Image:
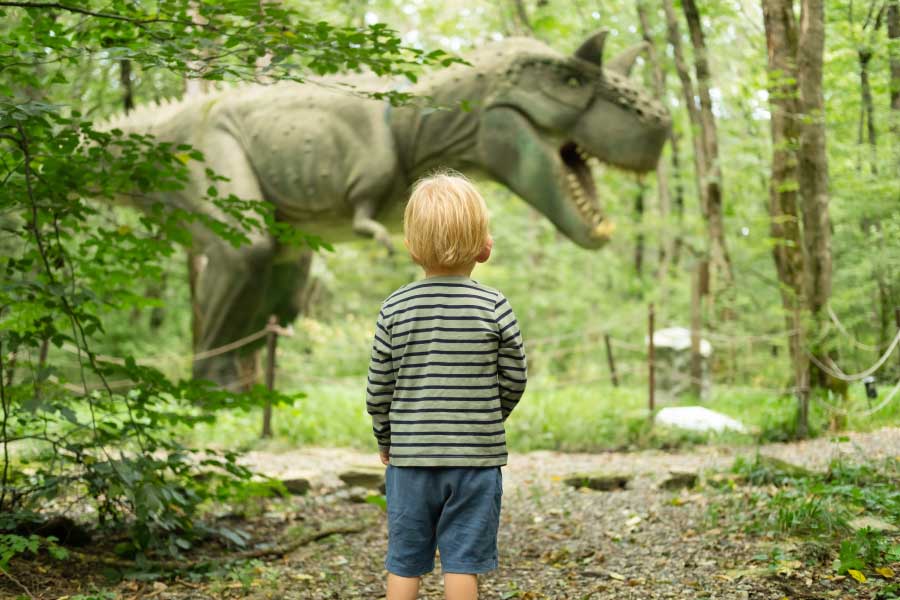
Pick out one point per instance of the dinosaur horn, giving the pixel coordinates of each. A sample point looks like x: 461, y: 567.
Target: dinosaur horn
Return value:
x: 625, y: 61
x: 592, y: 48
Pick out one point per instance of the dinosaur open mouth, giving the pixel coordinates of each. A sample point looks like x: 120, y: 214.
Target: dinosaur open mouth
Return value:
x: 582, y: 188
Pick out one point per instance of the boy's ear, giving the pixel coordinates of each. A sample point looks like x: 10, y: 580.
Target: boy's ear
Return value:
x: 486, y: 253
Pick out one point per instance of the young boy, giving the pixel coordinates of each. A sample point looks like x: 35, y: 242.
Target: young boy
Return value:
x: 447, y: 368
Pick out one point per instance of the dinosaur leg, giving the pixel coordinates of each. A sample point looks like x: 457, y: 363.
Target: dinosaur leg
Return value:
x: 230, y: 288
x: 286, y: 295
x: 364, y: 223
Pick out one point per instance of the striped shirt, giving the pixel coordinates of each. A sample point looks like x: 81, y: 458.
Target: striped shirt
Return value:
x: 447, y: 369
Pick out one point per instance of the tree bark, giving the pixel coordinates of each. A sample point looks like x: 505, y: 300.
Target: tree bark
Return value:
x: 687, y: 88
x: 523, y: 24
x: 798, y: 189
x: 813, y: 163
x: 867, y: 108
x: 893, y: 27
x: 127, y: 86
x: 639, y: 237
x: 781, y: 43
x: 712, y: 183
x: 666, y: 243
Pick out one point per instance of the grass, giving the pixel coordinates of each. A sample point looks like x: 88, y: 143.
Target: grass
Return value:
x: 786, y: 503
x: 572, y: 418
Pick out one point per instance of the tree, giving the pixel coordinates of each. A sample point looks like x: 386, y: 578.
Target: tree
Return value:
x: 800, y: 222
x: 66, y: 266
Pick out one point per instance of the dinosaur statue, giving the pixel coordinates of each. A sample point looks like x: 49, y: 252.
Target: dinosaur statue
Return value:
x: 336, y: 164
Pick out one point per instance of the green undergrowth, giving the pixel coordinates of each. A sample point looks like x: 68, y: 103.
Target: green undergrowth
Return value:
x: 846, y: 517
x: 551, y: 416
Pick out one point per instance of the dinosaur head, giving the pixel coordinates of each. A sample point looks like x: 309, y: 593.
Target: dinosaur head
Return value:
x: 548, y: 117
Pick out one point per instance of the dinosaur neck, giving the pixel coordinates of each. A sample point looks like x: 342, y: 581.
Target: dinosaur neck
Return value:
x: 438, y: 137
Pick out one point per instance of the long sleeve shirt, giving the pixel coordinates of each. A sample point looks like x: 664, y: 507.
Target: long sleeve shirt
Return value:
x: 447, y: 369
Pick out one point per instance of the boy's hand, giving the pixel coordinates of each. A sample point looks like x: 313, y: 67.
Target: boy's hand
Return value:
x: 385, y: 456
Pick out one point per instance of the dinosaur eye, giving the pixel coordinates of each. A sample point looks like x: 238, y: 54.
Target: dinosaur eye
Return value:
x: 573, y: 82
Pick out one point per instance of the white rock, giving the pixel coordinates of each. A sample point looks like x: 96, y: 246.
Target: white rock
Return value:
x: 697, y: 418
x: 678, y: 338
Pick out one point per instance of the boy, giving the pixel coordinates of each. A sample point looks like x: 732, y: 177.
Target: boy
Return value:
x: 447, y: 368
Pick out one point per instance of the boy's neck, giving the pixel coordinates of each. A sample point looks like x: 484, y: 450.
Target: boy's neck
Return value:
x: 465, y: 271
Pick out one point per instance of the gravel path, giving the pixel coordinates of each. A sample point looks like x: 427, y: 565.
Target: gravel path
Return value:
x: 556, y: 542
x: 561, y: 543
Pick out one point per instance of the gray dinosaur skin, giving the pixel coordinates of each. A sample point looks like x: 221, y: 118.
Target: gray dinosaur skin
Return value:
x: 338, y: 165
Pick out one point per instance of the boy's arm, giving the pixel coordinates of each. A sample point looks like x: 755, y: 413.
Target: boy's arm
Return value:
x: 511, y: 368
x: 380, y: 385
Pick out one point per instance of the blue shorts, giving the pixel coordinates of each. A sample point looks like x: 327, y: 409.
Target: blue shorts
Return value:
x: 454, y: 509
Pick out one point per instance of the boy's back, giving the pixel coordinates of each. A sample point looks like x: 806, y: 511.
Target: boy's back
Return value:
x: 447, y: 368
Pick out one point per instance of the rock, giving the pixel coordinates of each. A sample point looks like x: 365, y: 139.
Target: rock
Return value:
x: 600, y: 482
x: 678, y: 480
x: 367, y: 477
x: 697, y: 418
x: 358, y: 495
x: 872, y: 523
x: 297, y: 486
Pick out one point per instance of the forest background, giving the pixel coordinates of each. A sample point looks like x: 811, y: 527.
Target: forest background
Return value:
x: 109, y: 282
x: 573, y: 297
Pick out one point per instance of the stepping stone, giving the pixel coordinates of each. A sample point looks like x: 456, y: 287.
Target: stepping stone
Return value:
x: 679, y: 480
x: 601, y: 482
x: 371, y: 478
x: 297, y: 486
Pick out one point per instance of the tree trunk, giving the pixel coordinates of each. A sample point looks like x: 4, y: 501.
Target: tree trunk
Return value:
x: 666, y: 244
x: 813, y: 163
x: 781, y: 43
x: 127, y: 86
x: 679, y: 195
x: 867, y: 108
x: 893, y: 27
x: 712, y: 182
x: 523, y: 24
x: 799, y: 186
x: 687, y: 88
x: 639, y: 237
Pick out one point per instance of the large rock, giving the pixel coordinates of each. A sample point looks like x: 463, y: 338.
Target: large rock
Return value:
x: 297, y: 486
x: 371, y: 478
x: 679, y: 480
x: 602, y: 482
x: 697, y: 418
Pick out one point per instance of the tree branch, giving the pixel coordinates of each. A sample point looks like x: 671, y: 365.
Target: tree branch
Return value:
x: 91, y: 13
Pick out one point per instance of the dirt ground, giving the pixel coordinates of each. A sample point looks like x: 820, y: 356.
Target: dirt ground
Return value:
x: 556, y: 542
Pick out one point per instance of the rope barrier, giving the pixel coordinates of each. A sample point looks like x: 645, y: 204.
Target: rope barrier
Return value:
x: 848, y: 335
x: 124, y: 383
x: 885, y: 402
x: 838, y: 374
x: 156, y: 360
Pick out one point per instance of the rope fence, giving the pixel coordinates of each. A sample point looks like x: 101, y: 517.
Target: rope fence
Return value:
x: 580, y: 341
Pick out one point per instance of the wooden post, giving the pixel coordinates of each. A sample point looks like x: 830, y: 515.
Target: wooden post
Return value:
x: 611, y: 361
x: 699, y: 287
x: 650, y: 375
x: 271, y: 345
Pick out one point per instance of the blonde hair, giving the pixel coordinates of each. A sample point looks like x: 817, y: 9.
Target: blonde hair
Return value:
x: 446, y: 221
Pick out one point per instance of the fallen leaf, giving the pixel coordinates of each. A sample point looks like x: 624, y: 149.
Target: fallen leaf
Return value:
x: 856, y: 575
x: 886, y: 572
